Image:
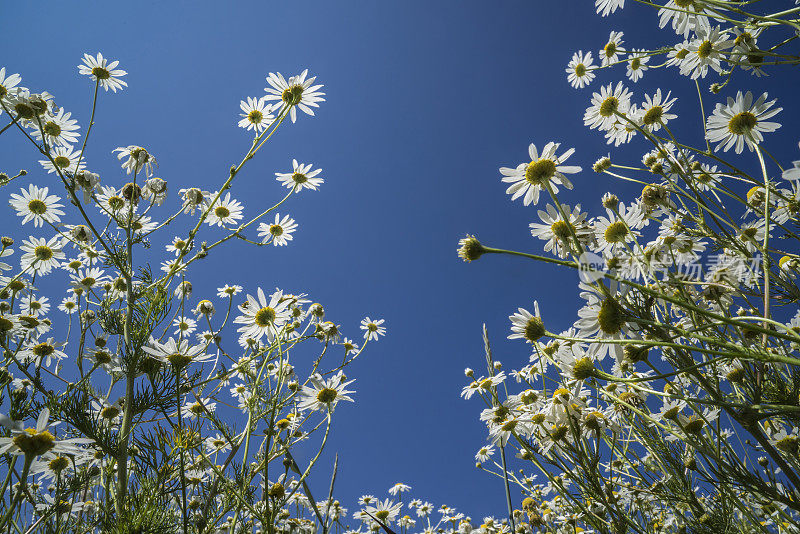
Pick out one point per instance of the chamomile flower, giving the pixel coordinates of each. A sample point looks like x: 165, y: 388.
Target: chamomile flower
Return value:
x: 526, y: 325
x: 176, y: 352
x: 559, y: 232
x: 137, y: 159
x: 58, y: 129
x: 685, y: 17
x: 617, y: 228
x: 184, y: 326
x: 88, y: 279
x: 198, y: 408
x: 37, y: 441
x: 604, y: 7
x: 64, y: 159
x: 484, y: 453
x: 256, y: 114
x: 545, y: 169
x: 301, y: 177
x: 637, y: 64
x: 705, y: 51
x: 610, y: 52
x: 35, y: 307
x: 604, y: 316
x: 741, y: 121
x: 399, y: 489
x: 109, y: 200
x: 262, y: 316
x: 655, y: 111
x: 42, y: 353
x: 324, y: 394
x: 602, y: 113
x: 225, y: 211
x: 40, y: 255
x: 297, y: 92
x: 385, y: 511
x: 579, y: 70
x: 279, y: 232
x: 372, y: 329
x: 36, y: 205
x: 8, y: 84
x: 349, y: 346
x: 104, y: 73
x: 228, y: 291
x: 68, y: 305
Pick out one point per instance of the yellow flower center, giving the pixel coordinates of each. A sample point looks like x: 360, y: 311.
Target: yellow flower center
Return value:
x: 540, y: 171
x: 265, y: 317
x: 742, y: 123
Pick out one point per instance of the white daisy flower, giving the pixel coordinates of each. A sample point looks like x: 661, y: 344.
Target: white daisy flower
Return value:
x: 579, y: 70
x: 527, y: 180
x: 197, y: 408
x: 655, y: 111
x: 138, y: 159
x: 228, y: 291
x: 105, y: 73
x: 609, y: 53
x: 324, y: 394
x: 484, y: 453
x: 526, y: 325
x: 42, y: 353
x: 37, y: 206
x: 88, y: 279
x: 280, y: 232
x: 685, y: 17
x: 741, y: 121
x: 8, y: 84
x: 35, y: 307
x: 558, y: 232
x: 68, y: 305
x: 109, y: 200
x: 386, y: 511
x: 176, y: 352
x: 637, y: 64
x: 41, y: 255
x: 705, y: 51
x: 602, y: 113
x: 372, y: 329
x: 37, y: 441
x: 261, y: 316
x: 399, y: 488
x: 184, y: 326
x: 257, y: 114
x: 58, y: 129
x: 605, y: 7
x: 225, y: 211
x: 604, y: 317
x: 301, y: 177
x: 64, y: 159
x: 298, y: 92
x: 614, y: 231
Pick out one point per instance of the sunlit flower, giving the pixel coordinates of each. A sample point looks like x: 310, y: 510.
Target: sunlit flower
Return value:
x: 279, y: 232
x: 297, y: 92
x: 301, y: 177
x: 372, y: 329
x: 544, y: 170
x: 256, y: 114
x: 579, y: 70
x: 225, y: 211
x: 324, y: 394
x: 36, y: 205
x: 105, y: 73
x: 741, y: 121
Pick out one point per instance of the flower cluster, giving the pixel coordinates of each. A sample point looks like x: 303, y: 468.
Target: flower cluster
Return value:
x: 170, y: 407
x: 674, y: 392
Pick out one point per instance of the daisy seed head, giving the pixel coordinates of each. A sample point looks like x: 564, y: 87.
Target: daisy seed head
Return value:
x: 602, y: 164
x: 469, y: 248
x: 610, y: 201
x: 584, y: 368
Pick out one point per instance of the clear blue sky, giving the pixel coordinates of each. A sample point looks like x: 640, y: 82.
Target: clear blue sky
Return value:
x: 425, y: 100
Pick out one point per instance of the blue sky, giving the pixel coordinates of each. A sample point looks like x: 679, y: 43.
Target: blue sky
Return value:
x: 424, y: 102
